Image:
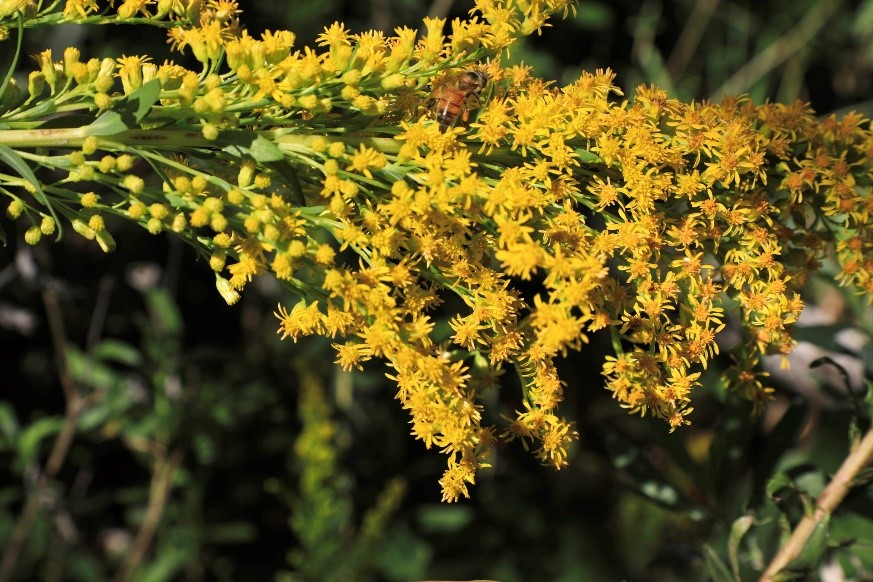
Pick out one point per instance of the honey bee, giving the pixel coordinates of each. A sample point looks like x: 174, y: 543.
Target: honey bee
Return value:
x: 452, y: 97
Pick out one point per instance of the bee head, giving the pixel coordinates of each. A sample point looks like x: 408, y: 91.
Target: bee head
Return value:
x: 473, y: 81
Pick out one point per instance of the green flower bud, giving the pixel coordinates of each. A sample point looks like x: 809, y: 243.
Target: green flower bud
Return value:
x: 15, y: 208
x: 154, y: 225
x: 32, y: 235
x: 106, y: 242
x: 47, y: 225
x: 35, y: 83
x: 83, y: 229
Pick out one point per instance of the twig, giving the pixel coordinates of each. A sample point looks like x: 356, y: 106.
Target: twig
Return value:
x: 688, y: 41
x: 440, y: 8
x: 830, y: 498
x: 780, y: 50
x: 162, y: 484
x: 101, y: 308
x: 61, y: 447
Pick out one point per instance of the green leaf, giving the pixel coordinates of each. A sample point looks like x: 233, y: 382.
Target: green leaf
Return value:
x: 163, y: 312
x: 33, y: 435
x: 815, y: 546
x: 286, y: 170
x: 117, y: 351
x: 128, y: 112
x: 444, y: 519
x: 777, y: 483
x: 90, y: 372
x: 739, y: 529
x: 17, y: 163
x: 8, y: 424
x: 109, y: 123
x: 587, y: 157
x: 247, y: 143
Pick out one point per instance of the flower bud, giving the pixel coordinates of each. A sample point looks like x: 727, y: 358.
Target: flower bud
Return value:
x: 179, y: 223
x: 246, y: 174
x: 32, y: 235
x: 47, y: 225
x: 226, y: 290
x: 71, y: 58
x: 83, y: 229
x: 124, y: 162
x: 15, y: 208
x: 106, y: 242
x: 217, y: 260
x: 96, y: 223
x: 210, y: 131
x: 35, y: 83
x: 154, y: 225
x: 134, y: 184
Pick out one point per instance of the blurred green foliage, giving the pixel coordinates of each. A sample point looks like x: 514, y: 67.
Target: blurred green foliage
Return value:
x: 179, y: 439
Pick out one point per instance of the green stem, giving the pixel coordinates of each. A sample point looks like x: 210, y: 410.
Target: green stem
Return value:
x: 73, y: 137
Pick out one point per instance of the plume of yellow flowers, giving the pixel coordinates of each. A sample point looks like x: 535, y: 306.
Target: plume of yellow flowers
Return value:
x: 652, y: 218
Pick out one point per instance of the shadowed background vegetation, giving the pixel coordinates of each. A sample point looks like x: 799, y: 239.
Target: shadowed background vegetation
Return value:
x: 215, y: 451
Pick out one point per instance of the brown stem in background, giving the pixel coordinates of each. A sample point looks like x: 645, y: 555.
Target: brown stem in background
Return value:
x: 162, y: 484
x: 61, y: 447
x: 689, y: 40
x: 440, y: 8
x: 830, y: 498
x: 780, y: 50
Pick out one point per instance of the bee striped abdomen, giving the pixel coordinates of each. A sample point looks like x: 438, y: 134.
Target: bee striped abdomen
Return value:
x: 452, y: 97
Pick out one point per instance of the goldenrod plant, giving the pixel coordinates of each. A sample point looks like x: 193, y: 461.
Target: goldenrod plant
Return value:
x: 542, y: 213
x: 325, y: 169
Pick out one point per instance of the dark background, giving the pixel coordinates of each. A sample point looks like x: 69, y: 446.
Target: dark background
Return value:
x: 635, y: 503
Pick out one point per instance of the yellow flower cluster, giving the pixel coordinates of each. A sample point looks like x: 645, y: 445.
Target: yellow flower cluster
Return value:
x: 556, y: 213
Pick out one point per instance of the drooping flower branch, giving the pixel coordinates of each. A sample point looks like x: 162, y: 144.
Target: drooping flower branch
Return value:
x: 324, y: 168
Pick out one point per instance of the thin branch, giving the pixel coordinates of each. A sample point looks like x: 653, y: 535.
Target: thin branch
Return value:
x: 827, y: 502
x: 101, y: 308
x: 689, y: 40
x: 61, y: 447
x: 162, y: 484
x: 780, y: 50
x: 440, y: 8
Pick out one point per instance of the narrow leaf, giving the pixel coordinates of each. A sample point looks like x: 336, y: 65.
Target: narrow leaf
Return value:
x: 8, y: 423
x: 163, y: 313
x: 739, y: 529
x: 815, y: 546
x: 33, y: 435
x: 109, y: 123
x: 138, y: 104
x: 117, y: 351
x: 17, y: 163
x: 247, y: 143
x: 127, y: 113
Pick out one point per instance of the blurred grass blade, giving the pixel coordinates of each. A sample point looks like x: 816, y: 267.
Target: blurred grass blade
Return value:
x: 739, y: 529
